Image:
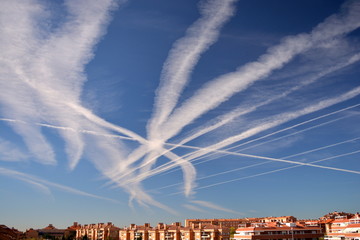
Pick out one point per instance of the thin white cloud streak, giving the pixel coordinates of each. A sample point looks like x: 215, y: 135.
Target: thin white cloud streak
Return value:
x: 137, y: 193
x: 275, y: 121
x: 222, y: 88
x: 106, y: 155
x: 291, y: 127
x: 295, y: 133
x: 10, y: 152
x: 271, y: 140
x: 157, y: 171
x: 44, y: 183
x: 17, y: 175
x: 213, y: 206
x: 269, y: 172
x: 189, y: 171
x: 123, y: 166
x: 282, y: 118
x: 177, y: 69
x: 194, y: 208
x: 46, y: 84
x: 183, y: 57
x: 101, y: 134
x: 228, y: 117
x: 267, y: 162
x: 53, y: 69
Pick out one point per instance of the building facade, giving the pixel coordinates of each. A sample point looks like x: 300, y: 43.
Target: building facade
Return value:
x: 51, y: 232
x: 7, y: 233
x: 174, y: 232
x: 278, y: 231
x: 98, y: 231
x: 237, y: 221
x: 343, y: 228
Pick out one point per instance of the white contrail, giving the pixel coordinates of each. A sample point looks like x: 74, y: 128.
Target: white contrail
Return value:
x: 53, y: 70
x: 269, y: 172
x: 42, y: 183
x: 208, y: 149
x: 285, y: 117
x: 188, y: 169
x: 187, y: 156
x: 177, y: 69
x: 220, y: 123
x: 70, y: 129
x: 183, y: 57
x: 222, y: 88
x: 42, y: 76
x: 226, y: 118
x: 275, y: 121
x: 291, y: 127
x: 195, y: 208
x: 213, y: 206
x: 267, y: 162
x: 271, y: 140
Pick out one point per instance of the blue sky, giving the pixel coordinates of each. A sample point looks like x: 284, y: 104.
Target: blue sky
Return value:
x: 157, y: 111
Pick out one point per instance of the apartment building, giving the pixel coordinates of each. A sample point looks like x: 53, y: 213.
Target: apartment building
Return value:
x: 98, y: 231
x: 7, y: 233
x: 135, y: 232
x: 235, y: 222
x: 51, y: 232
x: 343, y: 228
x: 174, y: 232
x: 278, y: 231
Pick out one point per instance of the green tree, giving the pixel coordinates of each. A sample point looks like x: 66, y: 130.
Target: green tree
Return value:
x: 232, y: 232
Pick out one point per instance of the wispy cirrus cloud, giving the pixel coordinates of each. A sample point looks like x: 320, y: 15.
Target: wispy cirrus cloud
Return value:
x: 11, y: 152
x: 43, y: 72
x: 194, y: 208
x: 184, y: 56
x: 222, y: 88
x: 213, y: 206
x: 45, y: 185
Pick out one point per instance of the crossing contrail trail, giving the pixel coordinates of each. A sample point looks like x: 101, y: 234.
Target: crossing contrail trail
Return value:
x: 239, y: 111
x: 282, y: 118
x: 296, y: 125
x: 273, y: 171
x: 183, y: 57
x: 222, y: 88
x: 41, y: 182
x: 228, y: 117
x: 271, y: 140
x: 69, y: 129
x: 267, y: 162
x: 177, y: 69
x: 293, y: 126
x: 247, y: 156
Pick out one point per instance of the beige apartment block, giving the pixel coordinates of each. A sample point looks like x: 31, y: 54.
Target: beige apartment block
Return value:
x: 99, y: 231
x: 279, y: 230
x: 236, y: 221
x: 174, y: 232
x: 344, y: 228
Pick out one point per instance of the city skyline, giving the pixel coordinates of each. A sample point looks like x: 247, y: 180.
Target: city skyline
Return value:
x: 150, y: 111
